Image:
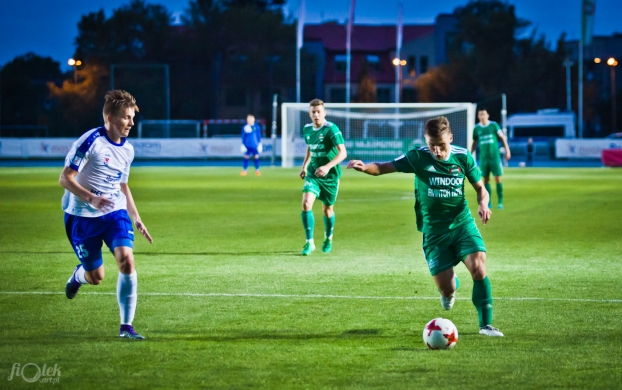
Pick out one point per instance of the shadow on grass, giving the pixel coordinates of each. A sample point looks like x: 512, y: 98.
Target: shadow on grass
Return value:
x: 250, y: 253
x: 348, y: 334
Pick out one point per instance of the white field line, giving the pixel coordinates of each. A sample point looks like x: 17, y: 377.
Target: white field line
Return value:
x: 312, y: 296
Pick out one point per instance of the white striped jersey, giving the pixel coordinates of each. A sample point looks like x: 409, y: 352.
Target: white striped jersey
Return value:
x: 102, y: 166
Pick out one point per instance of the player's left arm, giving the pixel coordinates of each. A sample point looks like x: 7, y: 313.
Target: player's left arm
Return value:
x: 482, y: 200
x: 133, y: 212
x: 341, y: 155
x: 504, y: 141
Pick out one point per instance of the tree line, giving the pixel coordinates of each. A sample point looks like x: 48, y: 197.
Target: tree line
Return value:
x: 238, y: 52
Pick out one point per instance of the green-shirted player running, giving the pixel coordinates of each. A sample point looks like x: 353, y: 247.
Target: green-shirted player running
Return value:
x: 488, y: 134
x: 450, y: 235
x: 321, y: 173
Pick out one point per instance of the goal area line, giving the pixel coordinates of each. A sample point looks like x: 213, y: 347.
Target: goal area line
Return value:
x: 313, y: 296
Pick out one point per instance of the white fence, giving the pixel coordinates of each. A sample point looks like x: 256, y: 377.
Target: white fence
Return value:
x: 146, y: 148
x: 584, y: 148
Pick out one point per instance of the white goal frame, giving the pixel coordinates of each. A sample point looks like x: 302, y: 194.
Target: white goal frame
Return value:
x: 288, y: 136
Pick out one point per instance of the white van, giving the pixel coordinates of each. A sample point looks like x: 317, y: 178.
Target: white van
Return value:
x: 549, y: 123
x: 544, y: 127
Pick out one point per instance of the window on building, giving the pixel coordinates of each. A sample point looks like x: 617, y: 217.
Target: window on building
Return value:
x: 341, y: 62
x: 373, y: 61
x: 412, y: 65
x: 383, y: 95
x: 337, y: 95
x: 423, y: 66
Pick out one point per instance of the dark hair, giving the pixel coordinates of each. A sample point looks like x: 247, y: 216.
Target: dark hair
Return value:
x: 316, y: 102
x: 437, y: 126
x: 482, y: 109
x: 118, y: 100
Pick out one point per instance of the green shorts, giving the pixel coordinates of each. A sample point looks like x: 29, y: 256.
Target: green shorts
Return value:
x: 444, y: 251
x: 324, y: 190
x: 488, y: 166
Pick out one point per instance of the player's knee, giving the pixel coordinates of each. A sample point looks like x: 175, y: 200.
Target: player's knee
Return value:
x: 307, y: 205
x: 94, y: 278
x: 478, y: 271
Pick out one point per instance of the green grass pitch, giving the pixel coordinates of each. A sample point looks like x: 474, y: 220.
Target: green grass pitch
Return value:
x: 226, y: 300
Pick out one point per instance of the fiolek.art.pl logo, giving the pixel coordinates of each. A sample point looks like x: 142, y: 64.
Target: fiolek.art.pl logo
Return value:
x: 31, y: 372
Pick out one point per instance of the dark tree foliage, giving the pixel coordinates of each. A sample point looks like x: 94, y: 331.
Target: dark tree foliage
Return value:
x: 25, y: 99
x: 135, y: 32
x: 486, y: 58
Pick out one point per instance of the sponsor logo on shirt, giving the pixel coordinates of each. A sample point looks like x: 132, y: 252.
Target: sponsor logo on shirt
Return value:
x: 446, y: 181
x: 455, y: 170
x: 113, y: 179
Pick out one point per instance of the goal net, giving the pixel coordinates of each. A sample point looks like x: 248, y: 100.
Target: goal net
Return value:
x: 375, y: 131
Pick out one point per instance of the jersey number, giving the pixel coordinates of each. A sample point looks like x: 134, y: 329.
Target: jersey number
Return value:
x: 81, y: 251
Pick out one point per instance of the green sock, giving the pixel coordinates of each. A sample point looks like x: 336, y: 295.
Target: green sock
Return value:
x: 500, y: 192
x: 329, y: 225
x: 308, y: 222
x: 489, y: 189
x: 482, y: 299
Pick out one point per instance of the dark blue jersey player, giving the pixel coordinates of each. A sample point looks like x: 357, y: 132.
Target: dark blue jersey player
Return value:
x: 98, y: 205
x: 251, y: 143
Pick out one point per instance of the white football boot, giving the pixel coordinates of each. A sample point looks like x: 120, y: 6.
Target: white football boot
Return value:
x: 448, y: 302
x: 490, y: 330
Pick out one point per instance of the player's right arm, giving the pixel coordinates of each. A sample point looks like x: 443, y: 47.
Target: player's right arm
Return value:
x: 374, y: 169
x: 305, y: 163
x: 68, y: 181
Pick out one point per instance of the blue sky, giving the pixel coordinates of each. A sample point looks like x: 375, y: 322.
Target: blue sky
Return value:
x: 49, y: 27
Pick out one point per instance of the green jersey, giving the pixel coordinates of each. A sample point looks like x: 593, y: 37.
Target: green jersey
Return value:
x: 440, y: 204
x: 488, y: 138
x: 322, y: 145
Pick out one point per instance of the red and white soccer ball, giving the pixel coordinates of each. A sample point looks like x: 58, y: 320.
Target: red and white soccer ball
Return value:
x: 440, y: 333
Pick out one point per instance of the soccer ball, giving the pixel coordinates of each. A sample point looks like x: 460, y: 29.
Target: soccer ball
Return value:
x: 440, y: 333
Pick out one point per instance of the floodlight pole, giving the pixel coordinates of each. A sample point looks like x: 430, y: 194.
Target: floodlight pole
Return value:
x: 273, y: 129
x: 567, y: 63
x: 580, y: 86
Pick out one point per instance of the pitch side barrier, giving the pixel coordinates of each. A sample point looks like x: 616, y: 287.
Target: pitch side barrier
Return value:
x: 144, y: 148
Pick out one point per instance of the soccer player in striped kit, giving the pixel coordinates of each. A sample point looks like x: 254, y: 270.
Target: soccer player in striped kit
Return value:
x: 98, y: 205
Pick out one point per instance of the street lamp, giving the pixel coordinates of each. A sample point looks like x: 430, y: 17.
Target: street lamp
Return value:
x: 74, y: 64
x: 398, y: 81
x: 612, y: 66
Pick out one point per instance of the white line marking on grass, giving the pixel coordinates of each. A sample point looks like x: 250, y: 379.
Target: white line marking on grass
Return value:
x: 312, y: 296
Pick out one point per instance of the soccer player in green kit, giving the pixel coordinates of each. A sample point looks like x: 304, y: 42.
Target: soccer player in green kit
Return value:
x: 450, y: 235
x: 321, y: 173
x: 488, y: 134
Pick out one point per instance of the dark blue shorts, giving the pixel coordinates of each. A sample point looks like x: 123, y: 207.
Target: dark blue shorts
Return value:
x: 251, y: 152
x: 86, y: 235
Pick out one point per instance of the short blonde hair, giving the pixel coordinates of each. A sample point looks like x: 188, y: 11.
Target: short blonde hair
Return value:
x: 118, y: 100
x: 436, y: 127
x: 316, y: 102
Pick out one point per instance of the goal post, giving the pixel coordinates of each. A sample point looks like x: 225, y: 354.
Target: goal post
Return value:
x: 375, y: 131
